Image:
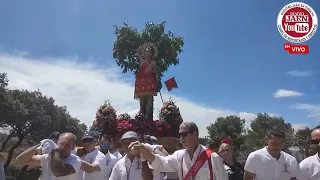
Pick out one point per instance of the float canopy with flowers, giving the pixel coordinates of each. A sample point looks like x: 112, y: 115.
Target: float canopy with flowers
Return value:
x: 147, y: 54
x: 109, y: 123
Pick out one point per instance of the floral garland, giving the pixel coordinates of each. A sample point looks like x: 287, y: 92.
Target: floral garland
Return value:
x: 170, y: 114
x: 107, y: 122
x: 106, y: 119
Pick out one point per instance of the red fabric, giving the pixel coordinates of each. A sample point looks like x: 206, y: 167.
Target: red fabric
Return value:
x: 171, y: 84
x: 145, y: 83
x: 204, y: 156
x: 227, y: 141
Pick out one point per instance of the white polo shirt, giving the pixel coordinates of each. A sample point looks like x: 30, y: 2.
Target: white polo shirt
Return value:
x: 73, y: 160
x: 127, y: 170
x: 310, y: 168
x: 117, y: 155
x: 111, y: 160
x: 266, y: 167
x: 95, y: 157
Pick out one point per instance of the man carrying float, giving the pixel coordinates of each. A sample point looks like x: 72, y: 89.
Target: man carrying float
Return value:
x: 195, y: 162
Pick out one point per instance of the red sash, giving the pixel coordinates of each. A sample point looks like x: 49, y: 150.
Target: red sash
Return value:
x: 202, y: 158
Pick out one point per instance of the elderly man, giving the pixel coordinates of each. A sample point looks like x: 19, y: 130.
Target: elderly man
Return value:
x: 194, y: 162
x: 310, y: 166
x: 129, y: 167
x: 60, y: 164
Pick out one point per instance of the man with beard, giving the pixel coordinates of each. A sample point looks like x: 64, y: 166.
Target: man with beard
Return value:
x: 111, y: 160
x: 310, y: 166
x: 59, y: 165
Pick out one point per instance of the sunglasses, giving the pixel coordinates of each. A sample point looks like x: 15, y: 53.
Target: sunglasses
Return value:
x: 315, y: 141
x: 184, y: 134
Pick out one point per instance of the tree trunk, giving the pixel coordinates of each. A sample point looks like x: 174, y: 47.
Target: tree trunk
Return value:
x: 4, y: 143
x: 10, y: 153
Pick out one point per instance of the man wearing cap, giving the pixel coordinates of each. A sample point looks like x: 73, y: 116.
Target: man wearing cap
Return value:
x: 129, y: 167
x: 94, y: 160
x: 195, y: 162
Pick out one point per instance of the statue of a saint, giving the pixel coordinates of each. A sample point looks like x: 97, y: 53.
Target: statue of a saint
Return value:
x: 147, y: 83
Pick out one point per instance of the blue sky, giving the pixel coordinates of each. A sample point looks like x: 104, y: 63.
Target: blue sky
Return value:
x: 233, y: 55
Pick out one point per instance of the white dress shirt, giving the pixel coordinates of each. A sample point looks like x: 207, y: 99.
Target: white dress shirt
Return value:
x: 172, y: 163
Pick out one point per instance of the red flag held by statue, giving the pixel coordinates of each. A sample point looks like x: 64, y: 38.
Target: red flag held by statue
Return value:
x: 171, y: 84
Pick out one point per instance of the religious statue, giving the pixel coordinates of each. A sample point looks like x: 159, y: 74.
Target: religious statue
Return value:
x: 147, y: 79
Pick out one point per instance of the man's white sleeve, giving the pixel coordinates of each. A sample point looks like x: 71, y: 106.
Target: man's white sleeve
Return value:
x: 115, y: 173
x: 305, y: 173
x: 168, y: 163
x: 101, y: 161
x: 218, y: 167
x: 75, y: 163
x: 251, y: 165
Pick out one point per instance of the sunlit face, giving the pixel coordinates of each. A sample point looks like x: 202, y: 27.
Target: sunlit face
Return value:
x: 226, y: 152
x: 275, y: 143
x: 187, y: 137
x: 315, y: 141
x: 125, y: 143
x: 66, y: 144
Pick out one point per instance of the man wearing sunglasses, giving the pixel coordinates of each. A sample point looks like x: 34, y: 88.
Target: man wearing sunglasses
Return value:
x: 310, y: 166
x: 194, y: 162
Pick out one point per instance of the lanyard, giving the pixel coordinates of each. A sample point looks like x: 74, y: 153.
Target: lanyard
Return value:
x: 190, y: 166
x: 128, y: 170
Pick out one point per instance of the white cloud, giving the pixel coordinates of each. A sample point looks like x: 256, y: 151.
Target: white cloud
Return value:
x: 83, y: 87
x: 299, y: 73
x: 312, y: 109
x: 286, y: 93
x: 297, y: 127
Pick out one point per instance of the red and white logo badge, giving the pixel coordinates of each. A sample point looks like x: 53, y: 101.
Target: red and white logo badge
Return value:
x: 297, y: 22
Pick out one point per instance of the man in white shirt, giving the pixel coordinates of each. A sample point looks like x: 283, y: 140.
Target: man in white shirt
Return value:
x: 59, y: 165
x: 310, y: 167
x: 271, y: 162
x: 111, y: 160
x: 94, y: 161
x: 2, y: 160
x: 129, y: 167
x: 113, y: 149
x: 203, y: 163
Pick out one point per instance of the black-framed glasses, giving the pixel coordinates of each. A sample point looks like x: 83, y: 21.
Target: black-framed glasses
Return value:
x: 315, y: 141
x: 184, y: 134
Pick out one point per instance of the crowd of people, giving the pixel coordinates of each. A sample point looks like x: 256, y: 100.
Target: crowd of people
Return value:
x: 142, y: 158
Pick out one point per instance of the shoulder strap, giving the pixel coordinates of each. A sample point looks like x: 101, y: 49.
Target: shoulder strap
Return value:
x: 202, y: 158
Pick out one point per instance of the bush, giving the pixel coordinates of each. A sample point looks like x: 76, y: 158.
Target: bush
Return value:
x: 15, y: 171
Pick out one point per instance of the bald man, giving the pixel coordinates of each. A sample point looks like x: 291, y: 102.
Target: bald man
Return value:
x: 60, y: 163
x: 310, y: 166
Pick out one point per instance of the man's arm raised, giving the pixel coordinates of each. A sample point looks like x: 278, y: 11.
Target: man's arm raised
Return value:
x: 29, y: 157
